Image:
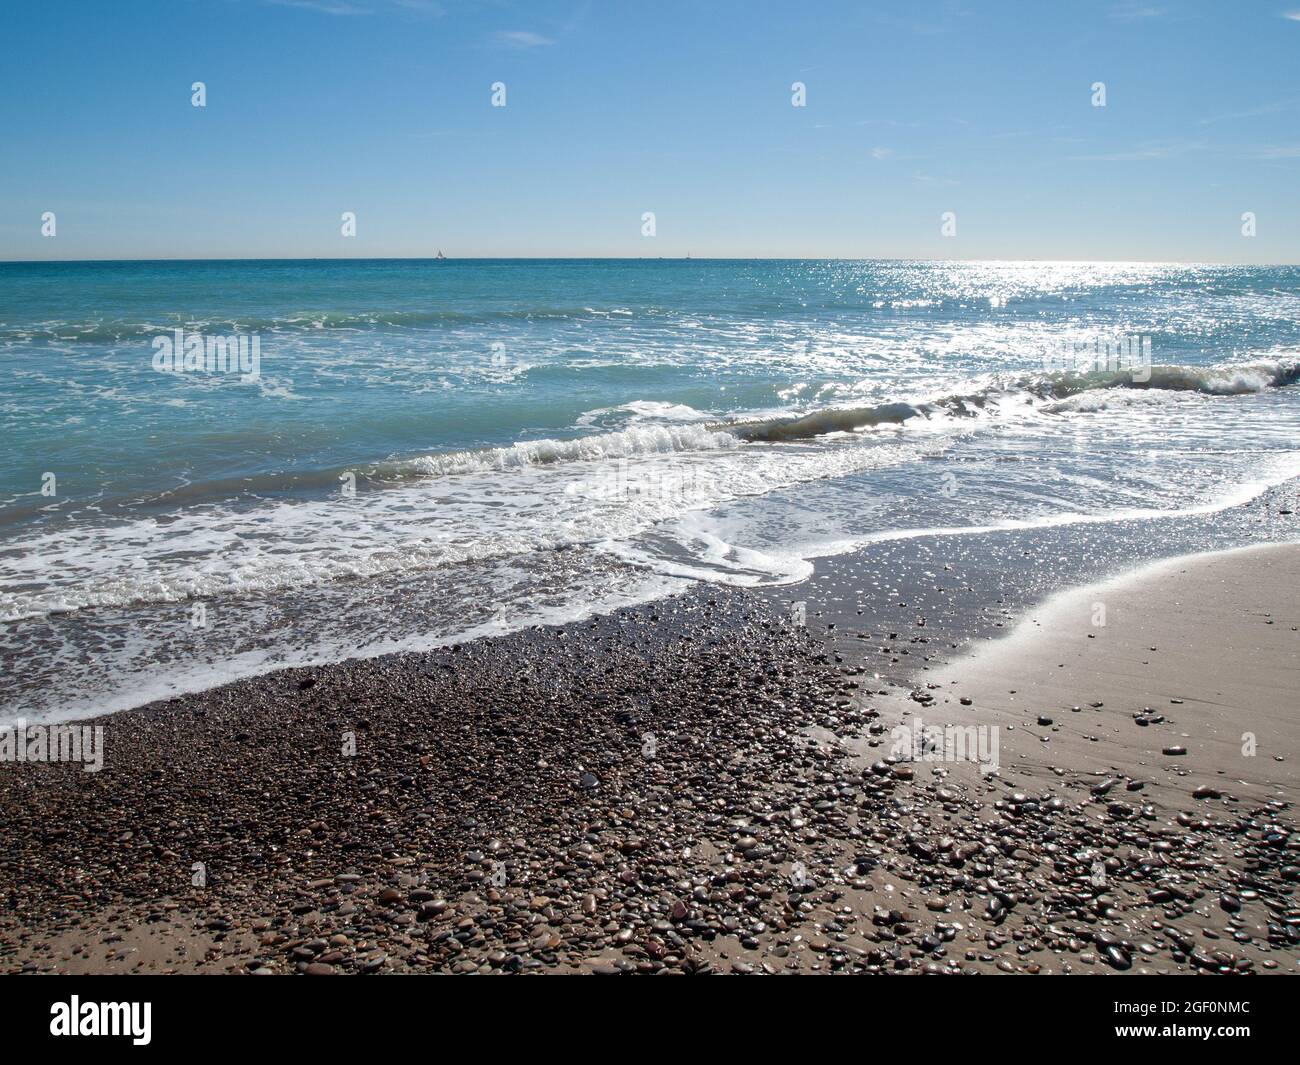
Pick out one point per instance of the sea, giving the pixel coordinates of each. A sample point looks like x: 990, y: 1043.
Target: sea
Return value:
x: 214, y: 469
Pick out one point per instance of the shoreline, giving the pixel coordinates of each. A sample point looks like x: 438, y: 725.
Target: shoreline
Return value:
x: 1199, y: 651
x: 504, y: 810
x: 954, y: 585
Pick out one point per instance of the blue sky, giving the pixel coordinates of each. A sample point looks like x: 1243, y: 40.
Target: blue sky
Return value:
x: 383, y: 108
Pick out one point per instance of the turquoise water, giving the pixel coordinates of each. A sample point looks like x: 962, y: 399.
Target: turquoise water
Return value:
x: 483, y: 444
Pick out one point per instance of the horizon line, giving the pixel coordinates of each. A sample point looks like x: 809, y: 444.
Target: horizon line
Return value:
x: 621, y: 258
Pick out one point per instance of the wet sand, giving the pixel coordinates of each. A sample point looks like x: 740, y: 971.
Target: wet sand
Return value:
x: 1201, y: 653
x: 1163, y: 707
x: 699, y: 786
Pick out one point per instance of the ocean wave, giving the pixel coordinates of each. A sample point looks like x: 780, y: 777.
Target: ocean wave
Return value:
x: 1230, y: 379
x: 634, y: 441
x: 108, y: 331
x: 672, y: 432
x: 443, y: 509
x: 645, y: 409
x: 1050, y: 388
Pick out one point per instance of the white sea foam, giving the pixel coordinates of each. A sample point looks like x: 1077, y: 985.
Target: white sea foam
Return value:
x: 609, y: 488
x: 129, y: 670
x: 634, y: 441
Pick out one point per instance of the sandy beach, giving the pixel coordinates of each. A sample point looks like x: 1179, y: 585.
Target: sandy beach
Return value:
x: 1198, y: 652
x: 701, y: 785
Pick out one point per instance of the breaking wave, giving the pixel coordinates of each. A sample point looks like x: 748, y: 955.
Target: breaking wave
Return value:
x: 1226, y: 380
x: 1001, y: 396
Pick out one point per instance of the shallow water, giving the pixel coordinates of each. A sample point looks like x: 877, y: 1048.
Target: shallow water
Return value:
x: 534, y: 440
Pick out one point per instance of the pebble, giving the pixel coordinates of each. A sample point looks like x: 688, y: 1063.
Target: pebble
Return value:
x: 501, y: 816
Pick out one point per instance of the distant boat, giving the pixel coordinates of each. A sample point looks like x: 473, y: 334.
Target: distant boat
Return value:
x: 440, y: 257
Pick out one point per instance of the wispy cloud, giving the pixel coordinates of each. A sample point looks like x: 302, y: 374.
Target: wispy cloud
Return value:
x: 325, y: 7
x: 881, y: 153
x: 1135, y: 12
x: 1147, y: 151
x: 932, y: 182
x: 1254, y: 112
x: 890, y: 122
x: 426, y: 8
x: 1276, y: 151
x: 942, y: 21
x: 1294, y: 16
x: 1155, y: 150
x: 523, y: 39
